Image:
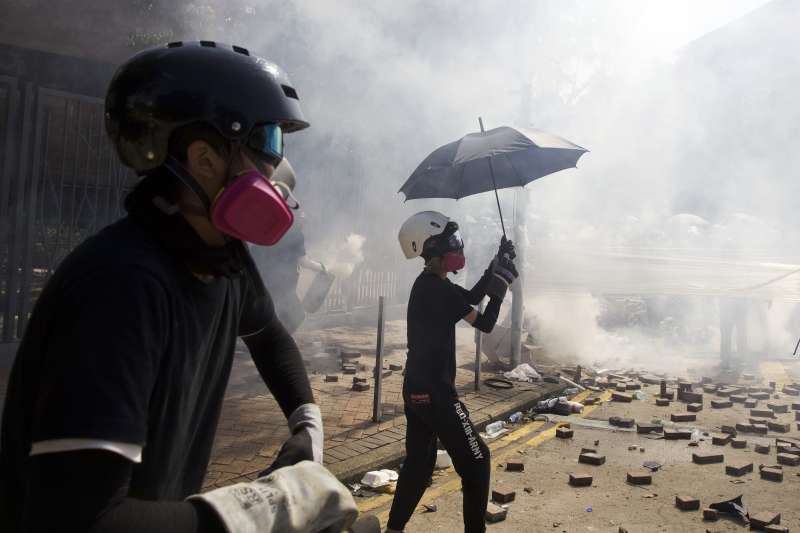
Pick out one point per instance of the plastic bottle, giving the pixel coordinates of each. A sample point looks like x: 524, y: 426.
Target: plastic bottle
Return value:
x: 494, y: 427
x: 516, y: 417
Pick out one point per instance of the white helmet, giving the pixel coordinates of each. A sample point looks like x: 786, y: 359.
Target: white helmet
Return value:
x: 420, y: 227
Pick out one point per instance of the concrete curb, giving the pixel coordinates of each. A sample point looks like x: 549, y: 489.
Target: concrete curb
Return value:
x: 391, y: 455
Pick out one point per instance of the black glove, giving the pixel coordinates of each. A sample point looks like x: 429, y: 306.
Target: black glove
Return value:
x: 506, y: 249
x: 297, y: 448
x: 504, y: 272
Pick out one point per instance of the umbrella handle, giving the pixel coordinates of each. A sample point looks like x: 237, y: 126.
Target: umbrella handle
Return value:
x: 496, y: 196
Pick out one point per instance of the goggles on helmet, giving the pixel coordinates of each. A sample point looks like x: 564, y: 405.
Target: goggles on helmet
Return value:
x: 266, y: 142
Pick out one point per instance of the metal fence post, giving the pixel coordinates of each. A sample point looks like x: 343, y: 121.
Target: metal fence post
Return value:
x: 376, y: 403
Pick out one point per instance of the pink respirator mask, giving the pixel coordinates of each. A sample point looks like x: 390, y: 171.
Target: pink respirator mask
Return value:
x: 252, y: 209
x: 453, y: 261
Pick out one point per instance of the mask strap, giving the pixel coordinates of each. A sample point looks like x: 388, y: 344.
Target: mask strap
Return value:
x: 180, y: 172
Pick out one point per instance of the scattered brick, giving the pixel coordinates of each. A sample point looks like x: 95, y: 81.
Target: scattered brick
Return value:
x: 735, y: 398
x: 764, y: 518
x: 649, y: 428
x: 760, y: 429
x: 687, y: 503
x: 640, y: 477
x: 795, y: 406
x: 331, y: 378
x: 794, y: 450
x: 730, y: 430
x: 495, y: 513
x: 664, y: 402
x: 669, y: 395
x: 774, y: 528
x: 762, y: 421
x: 779, y: 427
x: 726, y: 391
x: 707, y: 458
x: 621, y: 397
x: 591, y: 400
x: 791, y: 391
x: 683, y: 417
x: 710, y: 515
x: 721, y: 404
x: 622, y: 422
x: 772, y: 474
x: 750, y: 404
x: 503, y: 496
x: 788, y: 459
x: 633, y: 386
x: 762, y: 448
x: 797, y: 416
x: 691, y: 397
x: 564, y: 433
x: 580, y: 480
x: 360, y: 387
x: 759, y: 395
x: 738, y: 468
x: 739, y: 443
x: 592, y: 459
x: 515, y: 466
x: 778, y: 408
x: 720, y: 439
x: 588, y: 450
x: 694, y: 407
x: 349, y: 369
x: 358, y: 379
x: 621, y: 387
x: 675, y: 434
x: 396, y: 368
x: 709, y: 389
x: 744, y: 427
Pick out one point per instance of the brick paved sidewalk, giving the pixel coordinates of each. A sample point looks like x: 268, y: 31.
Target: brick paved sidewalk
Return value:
x: 252, y: 427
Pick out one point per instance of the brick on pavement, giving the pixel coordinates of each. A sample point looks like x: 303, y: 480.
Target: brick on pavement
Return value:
x: 252, y: 426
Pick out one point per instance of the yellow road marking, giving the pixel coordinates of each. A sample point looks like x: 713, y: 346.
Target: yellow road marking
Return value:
x: 453, y: 485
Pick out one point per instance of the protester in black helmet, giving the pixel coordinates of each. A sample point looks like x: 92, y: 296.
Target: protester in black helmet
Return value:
x: 432, y: 406
x: 116, y: 390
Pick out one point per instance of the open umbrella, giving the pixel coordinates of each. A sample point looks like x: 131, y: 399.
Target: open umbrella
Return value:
x: 489, y: 160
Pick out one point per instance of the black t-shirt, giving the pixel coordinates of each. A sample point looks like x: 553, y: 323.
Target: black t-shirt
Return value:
x: 125, y: 344
x: 434, y: 308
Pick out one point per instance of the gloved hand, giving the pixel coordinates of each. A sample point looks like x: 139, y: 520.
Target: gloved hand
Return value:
x: 306, y: 442
x: 304, y: 498
x: 504, y: 272
x: 506, y: 249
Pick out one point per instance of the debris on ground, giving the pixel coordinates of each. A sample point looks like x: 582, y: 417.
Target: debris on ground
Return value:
x: 495, y: 513
x: 687, y: 503
x: 733, y: 507
x: 503, y: 496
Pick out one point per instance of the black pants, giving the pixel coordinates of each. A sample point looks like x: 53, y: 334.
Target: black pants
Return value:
x: 447, y: 419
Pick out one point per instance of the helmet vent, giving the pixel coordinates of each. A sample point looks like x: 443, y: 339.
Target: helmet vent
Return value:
x: 290, y: 92
x: 435, y: 225
x: 175, y: 44
x: 241, y: 50
x: 210, y: 44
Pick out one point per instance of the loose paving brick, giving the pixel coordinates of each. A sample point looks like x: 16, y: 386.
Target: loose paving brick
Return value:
x: 762, y: 421
x: 736, y: 398
x: 360, y: 387
x: 331, y: 378
x: 788, y: 459
x: 710, y: 515
x: 720, y: 439
x: 721, y: 404
x: 622, y: 422
x: 663, y: 402
x: 779, y: 427
x: 764, y: 518
x: 730, y: 430
x: 738, y: 468
x: 772, y: 474
x: 691, y: 397
x: 739, y: 443
x: 495, y: 513
x: 750, y: 404
x: 515, y: 466
x: 677, y: 434
x: 349, y: 369
x: 683, y: 417
x: 795, y: 406
x: 580, y: 480
x: 774, y: 528
x: 762, y: 413
x: 592, y: 459
x: 564, y: 433
x: 358, y: 379
x: 778, y: 408
x: 707, y: 458
x: 640, y: 477
x: 694, y: 407
x: 649, y: 428
x: 797, y: 416
x: 791, y: 391
x: 762, y: 448
x: 503, y: 495
x: 759, y: 395
x: 633, y: 386
x: 760, y: 429
x: 687, y: 503
x: 396, y: 368
x: 621, y: 397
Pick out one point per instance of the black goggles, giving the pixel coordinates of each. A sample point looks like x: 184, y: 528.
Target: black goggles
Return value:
x: 451, y: 240
x: 266, y: 142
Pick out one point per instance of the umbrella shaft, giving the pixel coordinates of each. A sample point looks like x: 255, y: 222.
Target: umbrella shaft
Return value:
x: 497, y: 197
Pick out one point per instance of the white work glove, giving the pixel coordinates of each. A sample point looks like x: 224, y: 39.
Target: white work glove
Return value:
x: 296, y: 499
x: 306, y: 442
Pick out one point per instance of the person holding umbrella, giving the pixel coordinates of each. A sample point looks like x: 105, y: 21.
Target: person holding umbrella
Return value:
x: 432, y: 406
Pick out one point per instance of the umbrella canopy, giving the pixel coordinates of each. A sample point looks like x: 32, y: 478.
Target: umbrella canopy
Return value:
x: 507, y: 157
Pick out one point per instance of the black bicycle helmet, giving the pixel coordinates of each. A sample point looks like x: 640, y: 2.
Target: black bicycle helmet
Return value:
x: 166, y: 87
